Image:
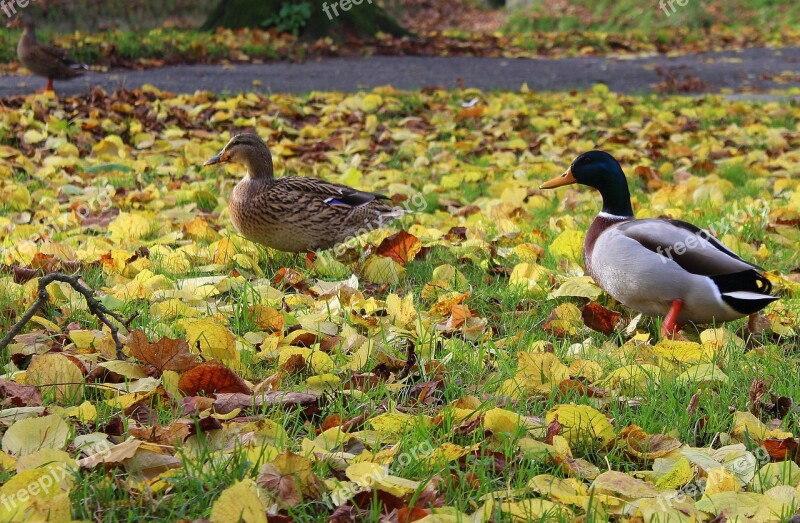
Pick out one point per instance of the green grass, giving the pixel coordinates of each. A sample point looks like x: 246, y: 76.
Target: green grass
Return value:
x: 628, y: 15
x: 477, y: 368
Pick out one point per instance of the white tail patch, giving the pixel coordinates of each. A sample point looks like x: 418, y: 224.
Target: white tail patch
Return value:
x: 744, y: 295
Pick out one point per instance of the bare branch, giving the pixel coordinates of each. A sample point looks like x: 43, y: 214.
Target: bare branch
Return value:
x: 95, y: 307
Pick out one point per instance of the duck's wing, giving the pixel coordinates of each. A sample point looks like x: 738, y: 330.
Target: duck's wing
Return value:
x: 695, y: 250
x: 55, y: 55
x: 329, y: 193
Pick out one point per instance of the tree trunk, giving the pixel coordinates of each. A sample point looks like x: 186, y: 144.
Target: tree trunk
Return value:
x: 337, y: 18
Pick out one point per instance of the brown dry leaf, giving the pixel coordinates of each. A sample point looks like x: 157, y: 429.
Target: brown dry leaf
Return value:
x: 282, y: 487
x: 780, y: 449
x: 648, y: 447
x: 598, y: 318
x: 174, y: 434
x: 227, y: 402
x: 294, y: 364
x: 165, y: 354
x: 291, y: 479
x: 401, y: 247
x: 16, y: 395
x: 623, y: 486
x: 211, y: 378
x: 114, y: 455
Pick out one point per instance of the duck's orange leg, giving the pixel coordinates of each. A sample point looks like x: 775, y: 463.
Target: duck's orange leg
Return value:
x: 670, y: 325
x: 48, y: 87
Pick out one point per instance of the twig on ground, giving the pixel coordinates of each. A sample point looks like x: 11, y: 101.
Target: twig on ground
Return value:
x: 95, y: 307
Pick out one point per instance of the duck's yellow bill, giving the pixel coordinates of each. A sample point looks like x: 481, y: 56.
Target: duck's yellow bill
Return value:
x: 220, y: 158
x: 564, y: 179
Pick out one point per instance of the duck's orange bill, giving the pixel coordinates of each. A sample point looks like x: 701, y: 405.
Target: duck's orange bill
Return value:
x: 564, y: 179
x: 14, y: 23
x: 220, y: 158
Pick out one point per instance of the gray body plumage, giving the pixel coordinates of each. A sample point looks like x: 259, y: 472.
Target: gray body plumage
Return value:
x: 673, y: 262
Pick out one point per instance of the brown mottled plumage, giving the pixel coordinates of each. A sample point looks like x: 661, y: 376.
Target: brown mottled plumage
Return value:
x: 52, y: 63
x: 296, y: 214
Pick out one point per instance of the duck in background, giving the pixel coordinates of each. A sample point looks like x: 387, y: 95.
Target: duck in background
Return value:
x: 47, y: 61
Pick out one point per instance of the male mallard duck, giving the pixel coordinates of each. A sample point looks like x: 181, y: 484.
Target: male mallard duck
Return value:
x: 659, y: 266
x: 292, y: 213
x: 43, y: 60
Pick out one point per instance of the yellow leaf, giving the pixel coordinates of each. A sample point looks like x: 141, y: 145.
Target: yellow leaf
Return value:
x: 365, y: 473
x: 721, y: 480
x: 536, y: 509
x: 394, y: 423
x: 49, y: 481
x: 401, y: 310
x: 582, y: 425
x: 541, y: 368
x: 85, y: 412
x: 771, y: 475
x: 683, y: 351
x: 214, y: 340
x: 32, y: 137
x: 45, y: 456
x: 703, y: 373
x: 633, y: 378
x: 128, y: 226
x: 379, y: 269
x: 242, y: 502
x: 568, y: 244
x: 501, y: 420
x: 397, y: 486
x: 680, y: 474
x: 58, y: 377
x: 528, y: 275
x: 17, y: 197
x: 569, y: 491
x: 31, y: 434
x: 580, y: 286
x: 110, y: 148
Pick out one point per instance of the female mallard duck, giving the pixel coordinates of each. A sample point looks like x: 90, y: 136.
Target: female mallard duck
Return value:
x: 659, y: 266
x: 292, y: 213
x: 43, y: 60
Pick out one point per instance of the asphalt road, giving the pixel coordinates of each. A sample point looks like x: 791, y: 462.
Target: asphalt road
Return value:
x: 737, y: 70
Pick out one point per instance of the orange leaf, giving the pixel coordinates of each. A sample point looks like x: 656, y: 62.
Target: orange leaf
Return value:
x: 401, y: 247
x: 210, y: 378
x: 598, y: 318
x: 165, y: 354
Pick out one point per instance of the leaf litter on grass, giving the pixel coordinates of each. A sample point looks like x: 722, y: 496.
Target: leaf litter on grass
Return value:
x: 457, y: 365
